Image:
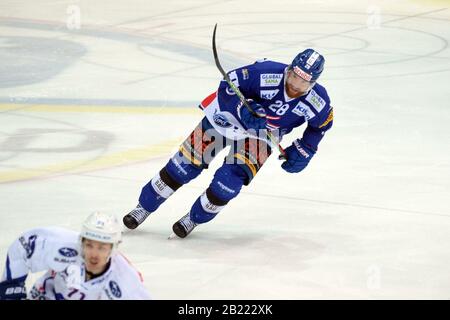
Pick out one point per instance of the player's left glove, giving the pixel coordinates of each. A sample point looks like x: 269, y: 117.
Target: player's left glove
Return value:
x: 298, y: 156
x: 256, y: 121
x: 13, y: 290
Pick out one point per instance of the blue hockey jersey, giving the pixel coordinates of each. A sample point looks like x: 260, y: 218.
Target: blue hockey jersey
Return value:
x: 264, y: 82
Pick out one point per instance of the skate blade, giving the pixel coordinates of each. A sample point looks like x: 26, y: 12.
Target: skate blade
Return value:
x: 126, y: 230
x: 172, y: 236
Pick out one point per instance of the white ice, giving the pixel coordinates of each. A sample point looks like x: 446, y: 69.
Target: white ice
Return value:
x: 96, y: 95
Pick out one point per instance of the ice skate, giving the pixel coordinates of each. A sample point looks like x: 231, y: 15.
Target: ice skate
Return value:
x: 136, y: 216
x: 184, y: 226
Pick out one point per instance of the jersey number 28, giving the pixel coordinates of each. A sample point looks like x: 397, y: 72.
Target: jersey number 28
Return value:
x: 279, y: 108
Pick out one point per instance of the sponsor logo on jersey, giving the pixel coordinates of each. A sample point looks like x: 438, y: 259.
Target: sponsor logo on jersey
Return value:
x: 68, y: 252
x: 302, y: 74
x: 268, y: 94
x: 303, y: 110
x: 234, y: 78
x: 230, y: 91
x: 245, y: 74
x: 316, y: 101
x: 28, y: 245
x: 270, y: 79
x: 221, y: 120
x: 115, y: 289
x: 64, y: 260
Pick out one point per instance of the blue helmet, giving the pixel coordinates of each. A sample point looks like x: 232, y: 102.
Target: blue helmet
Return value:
x: 308, y: 65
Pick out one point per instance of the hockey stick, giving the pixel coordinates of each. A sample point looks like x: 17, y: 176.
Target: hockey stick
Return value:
x: 241, y: 96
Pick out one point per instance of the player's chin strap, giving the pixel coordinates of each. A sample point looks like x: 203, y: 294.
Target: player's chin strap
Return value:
x: 271, y: 139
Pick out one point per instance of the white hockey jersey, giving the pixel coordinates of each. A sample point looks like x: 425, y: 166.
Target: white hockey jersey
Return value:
x: 56, y: 251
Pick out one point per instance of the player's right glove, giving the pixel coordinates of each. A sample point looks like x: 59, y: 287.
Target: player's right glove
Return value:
x: 13, y: 290
x: 298, y: 156
x: 252, y: 121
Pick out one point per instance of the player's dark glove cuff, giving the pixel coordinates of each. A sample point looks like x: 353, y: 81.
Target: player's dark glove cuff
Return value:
x: 13, y: 290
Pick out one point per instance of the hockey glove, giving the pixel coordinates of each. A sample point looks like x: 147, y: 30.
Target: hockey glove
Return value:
x: 252, y: 121
x: 13, y: 290
x: 298, y: 156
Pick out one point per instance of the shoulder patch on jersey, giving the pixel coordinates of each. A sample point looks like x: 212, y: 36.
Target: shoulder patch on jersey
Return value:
x: 316, y: 101
x: 68, y: 252
x: 270, y: 79
x: 303, y: 110
x: 29, y: 245
x: 115, y: 289
x: 328, y: 120
x: 268, y: 94
x: 245, y: 74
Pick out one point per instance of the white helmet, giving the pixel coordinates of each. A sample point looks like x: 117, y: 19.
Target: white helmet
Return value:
x: 102, y: 227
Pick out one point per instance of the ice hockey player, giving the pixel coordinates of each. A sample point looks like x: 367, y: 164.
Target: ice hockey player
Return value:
x: 282, y: 97
x: 77, y: 266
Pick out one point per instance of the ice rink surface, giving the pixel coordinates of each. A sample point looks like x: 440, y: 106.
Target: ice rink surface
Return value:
x: 96, y: 95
